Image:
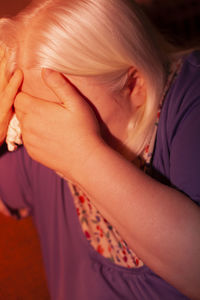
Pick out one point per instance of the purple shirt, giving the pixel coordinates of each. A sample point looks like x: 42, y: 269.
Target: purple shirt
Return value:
x: 75, y: 271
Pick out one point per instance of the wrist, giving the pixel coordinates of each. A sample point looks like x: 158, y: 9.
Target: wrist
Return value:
x: 94, y: 166
x: 83, y: 160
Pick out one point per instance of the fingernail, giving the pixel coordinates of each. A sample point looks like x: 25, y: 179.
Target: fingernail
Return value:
x: 47, y: 71
x: 2, y: 51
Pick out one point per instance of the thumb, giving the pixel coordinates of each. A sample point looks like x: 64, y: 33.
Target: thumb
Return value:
x: 61, y: 87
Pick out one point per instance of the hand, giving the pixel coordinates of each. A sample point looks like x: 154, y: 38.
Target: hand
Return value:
x: 62, y: 135
x: 21, y: 213
x: 4, y: 210
x: 9, y: 86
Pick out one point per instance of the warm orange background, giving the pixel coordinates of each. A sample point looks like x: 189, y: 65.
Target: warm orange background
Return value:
x: 11, y: 7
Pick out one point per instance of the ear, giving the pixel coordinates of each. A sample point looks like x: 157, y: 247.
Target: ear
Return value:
x: 135, y: 88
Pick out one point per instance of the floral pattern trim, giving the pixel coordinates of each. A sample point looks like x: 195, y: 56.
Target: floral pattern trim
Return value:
x: 102, y: 236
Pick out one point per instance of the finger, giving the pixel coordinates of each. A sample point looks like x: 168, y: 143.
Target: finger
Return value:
x: 26, y: 104
x: 3, y: 209
x: 22, y: 105
x: 12, y: 89
x: 3, y: 74
x: 62, y: 88
x: 2, y: 51
x: 24, y: 212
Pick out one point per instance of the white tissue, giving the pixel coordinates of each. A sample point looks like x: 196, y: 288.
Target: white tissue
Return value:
x: 14, y: 137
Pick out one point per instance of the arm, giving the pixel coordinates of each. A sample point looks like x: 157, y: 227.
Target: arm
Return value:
x: 159, y: 223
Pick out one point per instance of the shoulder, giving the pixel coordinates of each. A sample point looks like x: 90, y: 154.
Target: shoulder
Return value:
x: 178, y: 144
x: 183, y: 98
x: 189, y: 76
x: 194, y: 58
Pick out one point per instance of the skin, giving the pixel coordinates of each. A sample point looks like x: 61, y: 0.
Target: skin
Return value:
x: 112, y: 113
x: 152, y: 228
x: 109, y: 115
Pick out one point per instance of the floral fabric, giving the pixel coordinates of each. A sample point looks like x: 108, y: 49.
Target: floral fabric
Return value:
x: 102, y: 236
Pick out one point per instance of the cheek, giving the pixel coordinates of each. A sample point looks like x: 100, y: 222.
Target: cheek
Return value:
x: 113, y: 116
x: 116, y: 115
x: 107, y: 109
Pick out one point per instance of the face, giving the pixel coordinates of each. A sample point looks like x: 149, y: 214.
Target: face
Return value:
x: 113, y: 114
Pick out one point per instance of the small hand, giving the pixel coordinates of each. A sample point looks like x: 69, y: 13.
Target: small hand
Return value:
x: 61, y: 135
x: 4, y: 210
x: 21, y: 213
x: 9, y: 86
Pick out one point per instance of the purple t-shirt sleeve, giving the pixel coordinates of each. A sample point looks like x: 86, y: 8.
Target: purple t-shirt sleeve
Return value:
x: 185, y: 154
x: 15, y: 179
x: 177, y: 149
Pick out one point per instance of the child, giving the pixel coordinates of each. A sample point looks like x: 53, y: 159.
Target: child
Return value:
x: 115, y: 100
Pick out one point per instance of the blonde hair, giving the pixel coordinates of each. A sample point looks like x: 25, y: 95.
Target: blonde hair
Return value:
x: 98, y: 38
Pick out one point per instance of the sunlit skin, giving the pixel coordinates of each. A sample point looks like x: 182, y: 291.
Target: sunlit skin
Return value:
x: 112, y: 111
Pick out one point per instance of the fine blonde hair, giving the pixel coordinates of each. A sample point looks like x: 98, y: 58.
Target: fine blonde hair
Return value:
x: 95, y: 38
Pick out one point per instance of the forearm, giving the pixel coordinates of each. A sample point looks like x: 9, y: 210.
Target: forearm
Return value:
x: 159, y: 223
